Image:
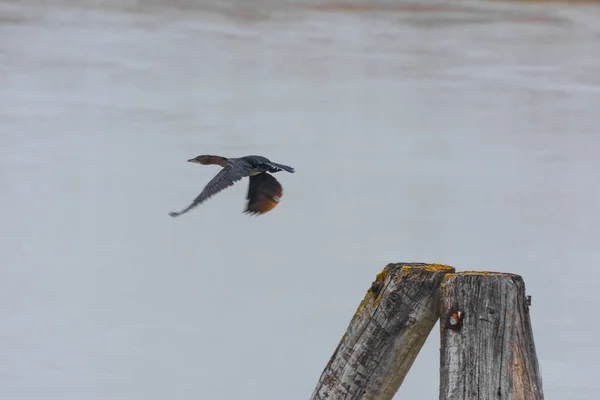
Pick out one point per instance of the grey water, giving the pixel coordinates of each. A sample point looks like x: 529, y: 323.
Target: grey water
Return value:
x: 463, y: 133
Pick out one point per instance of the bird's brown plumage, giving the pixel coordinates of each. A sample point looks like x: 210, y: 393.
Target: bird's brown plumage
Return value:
x: 264, y: 193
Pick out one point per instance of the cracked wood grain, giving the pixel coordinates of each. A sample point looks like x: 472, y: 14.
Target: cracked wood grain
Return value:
x: 491, y: 353
x: 385, y: 335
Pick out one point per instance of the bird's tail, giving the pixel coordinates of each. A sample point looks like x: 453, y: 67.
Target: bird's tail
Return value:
x: 282, y: 167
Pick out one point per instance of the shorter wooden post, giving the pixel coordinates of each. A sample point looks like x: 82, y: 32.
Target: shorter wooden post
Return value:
x: 487, y: 342
x: 385, y: 334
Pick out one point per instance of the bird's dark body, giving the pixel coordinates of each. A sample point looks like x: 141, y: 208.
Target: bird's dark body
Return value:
x: 264, y: 191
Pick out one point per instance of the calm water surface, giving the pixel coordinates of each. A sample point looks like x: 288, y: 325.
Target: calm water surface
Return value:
x: 465, y: 134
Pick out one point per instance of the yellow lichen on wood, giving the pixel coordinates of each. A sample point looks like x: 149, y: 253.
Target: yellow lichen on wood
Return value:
x: 379, y: 280
x: 426, y: 267
x: 438, y: 268
x: 360, y: 307
x: 376, y: 301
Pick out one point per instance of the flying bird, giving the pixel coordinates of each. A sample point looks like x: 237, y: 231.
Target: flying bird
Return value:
x: 264, y: 191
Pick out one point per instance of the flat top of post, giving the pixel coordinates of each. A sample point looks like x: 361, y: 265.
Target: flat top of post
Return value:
x: 423, y: 266
x: 493, y: 273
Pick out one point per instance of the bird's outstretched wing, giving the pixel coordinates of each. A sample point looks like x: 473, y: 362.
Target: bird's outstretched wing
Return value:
x: 224, y: 179
x: 264, y: 193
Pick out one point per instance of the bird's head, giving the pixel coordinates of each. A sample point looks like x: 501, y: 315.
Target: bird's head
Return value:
x: 208, y: 159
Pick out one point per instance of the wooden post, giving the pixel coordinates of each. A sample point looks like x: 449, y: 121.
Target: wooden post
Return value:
x: 487, y: 342
x: 385, y: 335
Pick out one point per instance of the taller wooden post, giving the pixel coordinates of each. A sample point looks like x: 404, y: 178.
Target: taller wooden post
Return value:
x: 487, y: 342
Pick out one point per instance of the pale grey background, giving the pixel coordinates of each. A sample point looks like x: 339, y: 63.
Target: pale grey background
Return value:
x: 466, y: 137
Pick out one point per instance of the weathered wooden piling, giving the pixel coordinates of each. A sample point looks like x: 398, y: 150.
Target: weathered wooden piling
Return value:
x: 487, y: 347
x: 385, y: 335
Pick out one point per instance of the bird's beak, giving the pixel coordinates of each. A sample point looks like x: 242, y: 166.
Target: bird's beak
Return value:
x: 193, y: 160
